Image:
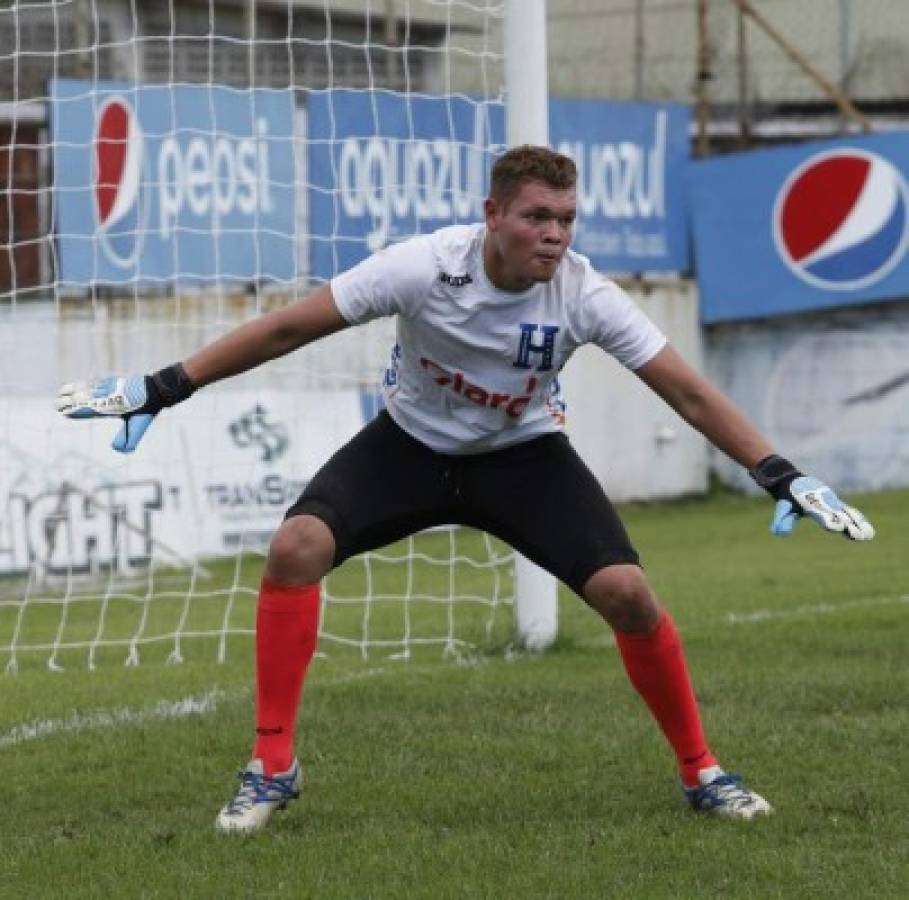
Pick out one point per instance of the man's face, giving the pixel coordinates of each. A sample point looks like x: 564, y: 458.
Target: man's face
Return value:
x: 528, y: 236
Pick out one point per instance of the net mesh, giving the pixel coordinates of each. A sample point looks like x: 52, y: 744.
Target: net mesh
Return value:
x: 162, y: 184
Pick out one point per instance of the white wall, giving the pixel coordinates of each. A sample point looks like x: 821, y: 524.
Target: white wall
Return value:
x: 829, y: 390
x: 635, y: 444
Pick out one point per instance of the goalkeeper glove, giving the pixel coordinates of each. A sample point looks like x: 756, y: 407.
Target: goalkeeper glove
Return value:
x: 800, y: 495
x: 136, y: 399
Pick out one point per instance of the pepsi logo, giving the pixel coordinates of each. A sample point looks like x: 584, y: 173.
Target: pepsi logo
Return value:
x: 119, y: 185
x: 840, y: 219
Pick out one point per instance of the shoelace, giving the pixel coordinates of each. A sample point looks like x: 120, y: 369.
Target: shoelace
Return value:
x: 722, y: 791
x: 255, y: 788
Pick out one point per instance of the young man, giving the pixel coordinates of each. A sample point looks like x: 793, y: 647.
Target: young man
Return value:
x: 487, y: 316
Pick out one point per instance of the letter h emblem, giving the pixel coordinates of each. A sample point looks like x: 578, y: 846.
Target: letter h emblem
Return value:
x: 546, y: 349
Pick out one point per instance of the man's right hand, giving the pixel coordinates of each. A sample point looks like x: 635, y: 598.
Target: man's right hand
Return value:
x: 136, y: 399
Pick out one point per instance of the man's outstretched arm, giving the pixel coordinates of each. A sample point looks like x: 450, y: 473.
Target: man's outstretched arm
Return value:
x: 137, y: 399
x: 712, y: 413
x: 704, y: 407
x: 275, y: 334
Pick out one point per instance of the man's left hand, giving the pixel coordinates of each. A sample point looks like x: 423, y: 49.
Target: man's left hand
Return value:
x: 810, y: 497
x: 800, y: 495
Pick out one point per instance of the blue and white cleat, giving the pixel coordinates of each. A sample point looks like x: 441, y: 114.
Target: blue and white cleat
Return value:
x: 258, y: 797
x: 725, y: 795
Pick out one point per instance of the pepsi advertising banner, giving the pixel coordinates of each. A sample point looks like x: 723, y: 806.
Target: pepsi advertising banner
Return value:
x: 178, y: 184
x: 384, y: 166
x: 802, y: 228
x: 631, y: 160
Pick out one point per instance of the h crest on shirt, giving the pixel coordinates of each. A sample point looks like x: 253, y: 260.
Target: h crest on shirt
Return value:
x: 527, y: 345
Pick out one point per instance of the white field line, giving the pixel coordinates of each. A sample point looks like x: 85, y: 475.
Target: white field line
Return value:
x: 198, y: 705
x: 203, y: 704
x: 816, y: 609
x: 39, y: 729
x: 756, y: 616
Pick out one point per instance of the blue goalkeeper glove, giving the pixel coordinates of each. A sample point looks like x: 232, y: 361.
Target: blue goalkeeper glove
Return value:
x: 136, y: 399
x: 800, y: 495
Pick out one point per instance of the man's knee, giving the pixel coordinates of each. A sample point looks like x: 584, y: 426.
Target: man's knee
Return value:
x: 622, y: 595
x: 301, y: 552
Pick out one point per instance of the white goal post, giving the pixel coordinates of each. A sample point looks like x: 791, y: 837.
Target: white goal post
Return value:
x: 527, y: 122
x: 228, y: 193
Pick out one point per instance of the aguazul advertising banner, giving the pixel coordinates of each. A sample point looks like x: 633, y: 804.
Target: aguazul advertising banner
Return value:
x: 385, y: 166
x: 631, y: 160
x: 797, y: 229
x: 172, y: 183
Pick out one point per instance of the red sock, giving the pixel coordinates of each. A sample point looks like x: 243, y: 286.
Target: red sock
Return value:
x: 287, y: 626
x: 655, y: 662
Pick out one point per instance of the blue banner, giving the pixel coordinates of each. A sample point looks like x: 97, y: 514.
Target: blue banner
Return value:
x: 631, y: 160
x: 383, y: 167
x: 172, y: 183
x: 795, y: 229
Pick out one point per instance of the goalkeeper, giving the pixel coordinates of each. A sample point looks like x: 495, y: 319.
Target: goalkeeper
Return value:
x: 487, y: 316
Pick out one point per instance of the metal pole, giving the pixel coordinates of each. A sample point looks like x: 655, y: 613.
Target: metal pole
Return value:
x: 845, y: 27
x: 250, y: 13
x: 391, y: 40
x: 527, y: 122
x: 702, y: 109
x: 846, y: 106
x: 83, y: 27
x: 639, y: 50
x: 744, y: 106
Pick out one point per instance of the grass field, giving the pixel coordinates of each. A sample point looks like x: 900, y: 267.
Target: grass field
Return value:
x: 512, y: 775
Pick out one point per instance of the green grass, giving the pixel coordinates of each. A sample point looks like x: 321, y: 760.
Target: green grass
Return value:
x: 516, y: 775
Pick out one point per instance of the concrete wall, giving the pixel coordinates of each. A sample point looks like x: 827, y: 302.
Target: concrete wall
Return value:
x: 602, y: 49
x: 608, y: 49
x: 829, y: 390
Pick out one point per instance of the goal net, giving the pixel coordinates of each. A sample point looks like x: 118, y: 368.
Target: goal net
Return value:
x: 170, y: 171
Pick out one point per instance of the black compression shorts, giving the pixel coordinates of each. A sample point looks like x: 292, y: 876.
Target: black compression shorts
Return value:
x: 537, y: 496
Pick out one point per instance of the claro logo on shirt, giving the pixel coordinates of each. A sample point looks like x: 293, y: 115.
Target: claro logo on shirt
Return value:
x: 513, y: 406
